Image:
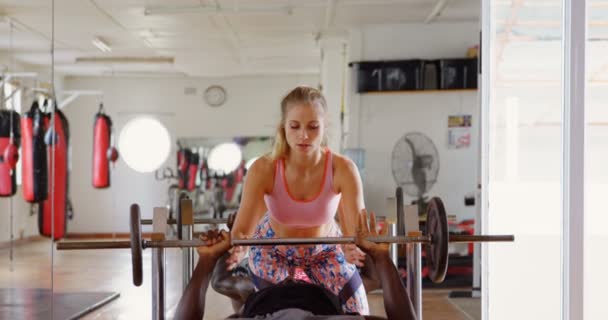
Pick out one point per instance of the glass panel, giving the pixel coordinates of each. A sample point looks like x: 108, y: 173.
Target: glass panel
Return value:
x: 596, y: 155
x: 525, y: 159
x: 207, y: 71
x: 26, y: 268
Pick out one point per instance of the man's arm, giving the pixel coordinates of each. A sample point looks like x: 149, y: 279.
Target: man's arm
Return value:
x: 397, y: 303
x: 192, y: 303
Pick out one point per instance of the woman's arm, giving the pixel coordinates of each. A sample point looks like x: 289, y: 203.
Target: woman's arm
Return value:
x: 348, y: 181
x: 252, y: 206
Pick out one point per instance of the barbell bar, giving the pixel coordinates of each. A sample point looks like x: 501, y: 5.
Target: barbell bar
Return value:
x: 196, y: 221
x: 92, y: 245
x: 276, y: 241
x: 437, y: 239
x: 376, y: 239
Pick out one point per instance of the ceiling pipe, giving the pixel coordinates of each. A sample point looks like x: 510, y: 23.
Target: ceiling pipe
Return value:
x: 239, y: 7
x: 145, y: 60
x: 330, y: 12
x: 439, y: 6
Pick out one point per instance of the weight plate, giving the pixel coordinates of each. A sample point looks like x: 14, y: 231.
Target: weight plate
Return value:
x: 136, y: 245
x: 437, y: 250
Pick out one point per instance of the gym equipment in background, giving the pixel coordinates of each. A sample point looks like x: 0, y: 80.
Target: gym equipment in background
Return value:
x: 34, y: 165
x: 10, y: 139
x: 56, y: 209
x: 104, y: 152
x: 415, y: 166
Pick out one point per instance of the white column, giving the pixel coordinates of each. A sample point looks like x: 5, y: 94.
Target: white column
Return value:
x: 487, y: 70
x: 353, y: 99
x: 333, y: 62
x: 512, y: 139
x: 573, y: 176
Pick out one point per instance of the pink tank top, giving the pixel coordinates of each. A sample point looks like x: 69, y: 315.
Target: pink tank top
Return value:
x: 286, y: 210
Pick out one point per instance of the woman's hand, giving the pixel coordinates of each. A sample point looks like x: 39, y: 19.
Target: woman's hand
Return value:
x: 364, y: 230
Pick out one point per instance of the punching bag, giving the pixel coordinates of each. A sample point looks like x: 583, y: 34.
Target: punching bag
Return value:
x: 192, y: 170
x: 103, y: 151
x: 233, y: 180
x: 57, y: 204
x: 10, y: 139
x: 34, y: 174
x: 183, y: 166
x: 204, y: 175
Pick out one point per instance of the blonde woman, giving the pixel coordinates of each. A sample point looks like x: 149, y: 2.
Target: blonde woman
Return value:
x: 296, y: 191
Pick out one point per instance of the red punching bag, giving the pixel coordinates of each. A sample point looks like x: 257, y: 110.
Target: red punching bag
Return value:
x: 183, y: 165
x: 53, y: 212
x: 103, y: 151
x: 204, y: 175
x: 192, y: 170
x: 34, y: 167
x: 10, y: 138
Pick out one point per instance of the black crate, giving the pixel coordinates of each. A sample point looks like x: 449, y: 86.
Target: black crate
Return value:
x: 389, y: 75
x: 458, y: 73
x: 402, y: 75
x: 369, y: 76
x: 431, y: 74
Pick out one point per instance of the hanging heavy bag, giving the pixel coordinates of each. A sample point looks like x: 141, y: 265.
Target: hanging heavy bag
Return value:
x: 232, y: 181
x: 204, y: 175
x: 54, y: 211
x: 183, y: 164
x: 34, y: 173
x: 192, y: 170
x: 10, y: 139
x: 103, y: 151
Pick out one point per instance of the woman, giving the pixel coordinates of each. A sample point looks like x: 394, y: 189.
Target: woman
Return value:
x: 296, y: 192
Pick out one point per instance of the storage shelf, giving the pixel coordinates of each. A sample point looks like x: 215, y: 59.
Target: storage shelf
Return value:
x: 418, y: 91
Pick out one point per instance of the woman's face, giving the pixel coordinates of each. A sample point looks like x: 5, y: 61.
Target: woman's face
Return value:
x: 305, y: 127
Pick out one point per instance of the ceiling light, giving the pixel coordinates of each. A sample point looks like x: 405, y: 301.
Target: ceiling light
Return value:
x: 122, y: 60
x: 101, y: 44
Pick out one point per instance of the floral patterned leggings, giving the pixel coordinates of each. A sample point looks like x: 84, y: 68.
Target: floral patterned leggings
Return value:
x: 323, y: 265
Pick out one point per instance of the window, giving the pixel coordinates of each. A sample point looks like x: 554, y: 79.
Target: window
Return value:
x: 524, y: 164
x: 225, y: 157
x: 144, y: 144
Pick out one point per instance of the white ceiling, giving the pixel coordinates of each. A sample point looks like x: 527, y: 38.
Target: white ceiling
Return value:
x: 205, y: 37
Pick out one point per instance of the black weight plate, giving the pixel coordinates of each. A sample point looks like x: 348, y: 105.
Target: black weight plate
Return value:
x: 136, y: 245
x: 437, y: 250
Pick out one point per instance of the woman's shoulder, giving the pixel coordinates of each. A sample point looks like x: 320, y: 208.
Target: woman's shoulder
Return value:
x: 262, y: 166
x: 343, y: 163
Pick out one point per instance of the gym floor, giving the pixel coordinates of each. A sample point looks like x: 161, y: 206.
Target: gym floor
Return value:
x: 110, y: 270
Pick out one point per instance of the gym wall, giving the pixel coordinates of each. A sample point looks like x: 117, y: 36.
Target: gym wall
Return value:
x: 251, y: 109
x: 377, y: 121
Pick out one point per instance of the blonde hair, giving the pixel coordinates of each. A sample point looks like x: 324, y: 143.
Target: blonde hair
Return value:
x: 299, y: 95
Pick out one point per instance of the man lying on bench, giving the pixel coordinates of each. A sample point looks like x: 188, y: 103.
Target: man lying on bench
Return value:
x: 295, y: 299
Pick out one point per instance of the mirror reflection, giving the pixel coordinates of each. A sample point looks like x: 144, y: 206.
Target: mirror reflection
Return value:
x: 157, y: 104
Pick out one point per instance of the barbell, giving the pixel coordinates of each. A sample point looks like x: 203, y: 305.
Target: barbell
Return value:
x: 195, y: 221
x: 436, y: 240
